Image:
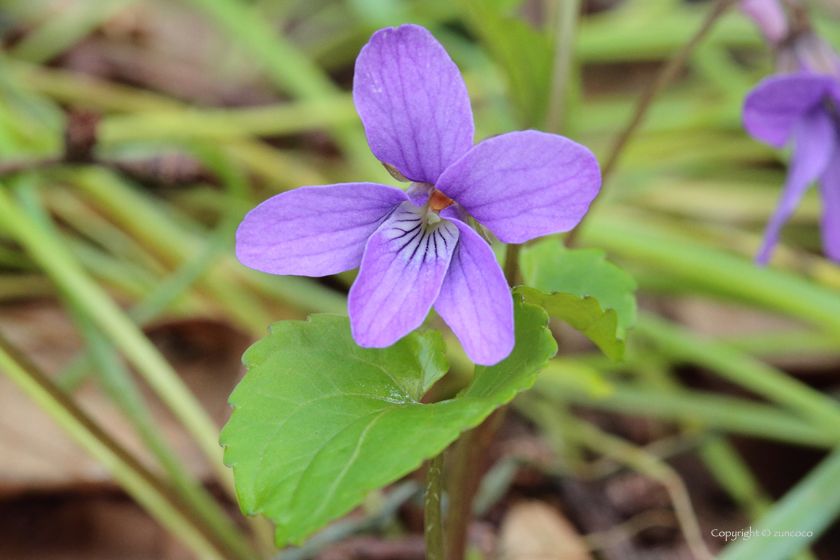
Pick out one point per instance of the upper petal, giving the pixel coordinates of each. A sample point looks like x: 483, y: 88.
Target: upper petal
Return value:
x: 400, y: 277
x: 413, y: 102
x: 830, y: 191
x: 522, y: 185
x: 773, y: 106
x: 314, y: 231
x: 475, y: 299
x: 815, y: 140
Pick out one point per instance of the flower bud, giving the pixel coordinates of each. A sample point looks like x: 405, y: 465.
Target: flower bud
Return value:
x: 770, y: 18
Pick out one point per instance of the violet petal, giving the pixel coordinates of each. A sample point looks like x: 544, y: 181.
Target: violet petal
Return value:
x: 413, y: 102
x: 830, y: 191
x: 402, y: 270
x: 773, y: 106
x: 314, y: 231
x: 814, y: 142
x: 522, y: 185
x: 475, y: 299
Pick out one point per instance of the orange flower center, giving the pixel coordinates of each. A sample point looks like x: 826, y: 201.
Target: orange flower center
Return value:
x: 438, y: 201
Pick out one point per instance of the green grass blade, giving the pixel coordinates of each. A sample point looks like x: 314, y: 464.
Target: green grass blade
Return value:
x: 138, y: 482
x: 713, y: 269
x: 106, y: 314
x: 810, y: 506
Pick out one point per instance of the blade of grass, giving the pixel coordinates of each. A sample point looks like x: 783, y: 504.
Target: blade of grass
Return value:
x: 721, y: 458
x: 715, y: 412
x: 275, y: 166
x: 150, y: 222
x: 141, y: 484
x: 769, y: 382
x: 69, y: 209
x: 224, y: 124
x: 166, y: 236
x: 619, y: 34
x: 116, y: 379
x: 809, y: 507
x: 104, y: 312
x: 668, y: 251
x: 663, y: 78
x: 289, y: 69
x: 23, y: 286
x: 64, y: 30
x: 733, y: 473
x: 566, y: 18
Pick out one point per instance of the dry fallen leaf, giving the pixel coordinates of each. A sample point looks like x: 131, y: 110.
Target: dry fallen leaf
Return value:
x: 536, y: 531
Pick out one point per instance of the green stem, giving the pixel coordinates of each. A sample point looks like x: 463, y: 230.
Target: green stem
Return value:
x: 567, y: 12
x: 469, y: 465
x: 511, y: 267
x: 470, y: 455
x: 432, y: 517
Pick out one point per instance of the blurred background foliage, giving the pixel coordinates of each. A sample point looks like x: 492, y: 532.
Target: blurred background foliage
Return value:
x: 135, y: 135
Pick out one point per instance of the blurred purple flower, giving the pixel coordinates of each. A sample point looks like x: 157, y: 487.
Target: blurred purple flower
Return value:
x: 416, y: 249
x: 800, y: 109
x: 769, y: 17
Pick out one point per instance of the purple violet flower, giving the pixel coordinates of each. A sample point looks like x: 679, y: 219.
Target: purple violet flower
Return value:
x: 416, y: 248
x: 800, y: 109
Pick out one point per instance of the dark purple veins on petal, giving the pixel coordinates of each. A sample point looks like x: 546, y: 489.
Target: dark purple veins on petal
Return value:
x: 400, y: 277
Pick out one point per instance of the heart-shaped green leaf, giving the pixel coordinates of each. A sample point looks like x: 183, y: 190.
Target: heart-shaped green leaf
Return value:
x: 318, y: 421
x: 592, y: 295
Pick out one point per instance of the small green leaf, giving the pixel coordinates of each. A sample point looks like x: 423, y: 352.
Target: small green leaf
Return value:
x: 318, y: 421
x: 549, y: 267
x: 592, y: 295
x: 584, y: 314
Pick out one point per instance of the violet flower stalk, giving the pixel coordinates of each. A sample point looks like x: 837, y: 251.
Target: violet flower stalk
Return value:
x: 416, y: 249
